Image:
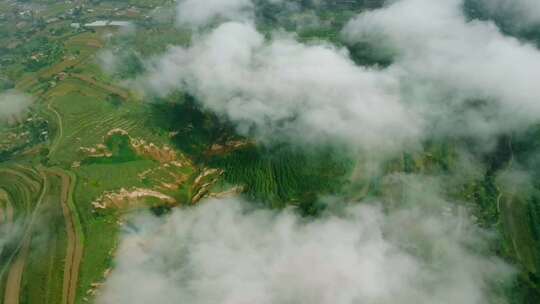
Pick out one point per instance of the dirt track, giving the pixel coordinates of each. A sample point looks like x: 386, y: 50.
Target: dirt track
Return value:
x: 74, y: 246
x: 57, y: 139
x: 6, y: 209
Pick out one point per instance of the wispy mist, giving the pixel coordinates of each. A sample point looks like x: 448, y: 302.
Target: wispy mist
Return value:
x: 521, y: 12
x: 449, y: 77
x: 13, y: 104
x: 201, y: 13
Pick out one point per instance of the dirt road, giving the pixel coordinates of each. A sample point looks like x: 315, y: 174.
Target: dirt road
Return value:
x: 6, y: 208
x: 74, y: 238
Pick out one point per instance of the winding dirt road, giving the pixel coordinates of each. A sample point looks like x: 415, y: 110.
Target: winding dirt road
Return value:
x: 60, y: 124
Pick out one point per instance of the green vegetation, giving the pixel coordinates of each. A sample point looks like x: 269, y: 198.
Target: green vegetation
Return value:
x: 194, y: 130
x: 17, y: 138
x: 101, y: 228
x: 280, y: 176
x: 121, y: 151
x: 87, y: 117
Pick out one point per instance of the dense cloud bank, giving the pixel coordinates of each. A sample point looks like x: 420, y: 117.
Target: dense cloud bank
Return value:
x: 467, y: 76
x: 223, y: 252
x: 284, y: 89
x: 12, y: 105
x: 449, y: 77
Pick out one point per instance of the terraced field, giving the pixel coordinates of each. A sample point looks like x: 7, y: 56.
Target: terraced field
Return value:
x: 62, y: 247
x: 37, y: 267
x: 23, y: 188
x: 85, y: 116
x: 78, y: 243
x: 41, y: 279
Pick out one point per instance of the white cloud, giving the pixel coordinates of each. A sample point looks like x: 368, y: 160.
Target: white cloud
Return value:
x: 466, y: 78
x: 13, y: 104
x: 287, y: 90
x: 450, y: 78
x: 108, y: 61
x: 220, y: 252
x: 198, y: 13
